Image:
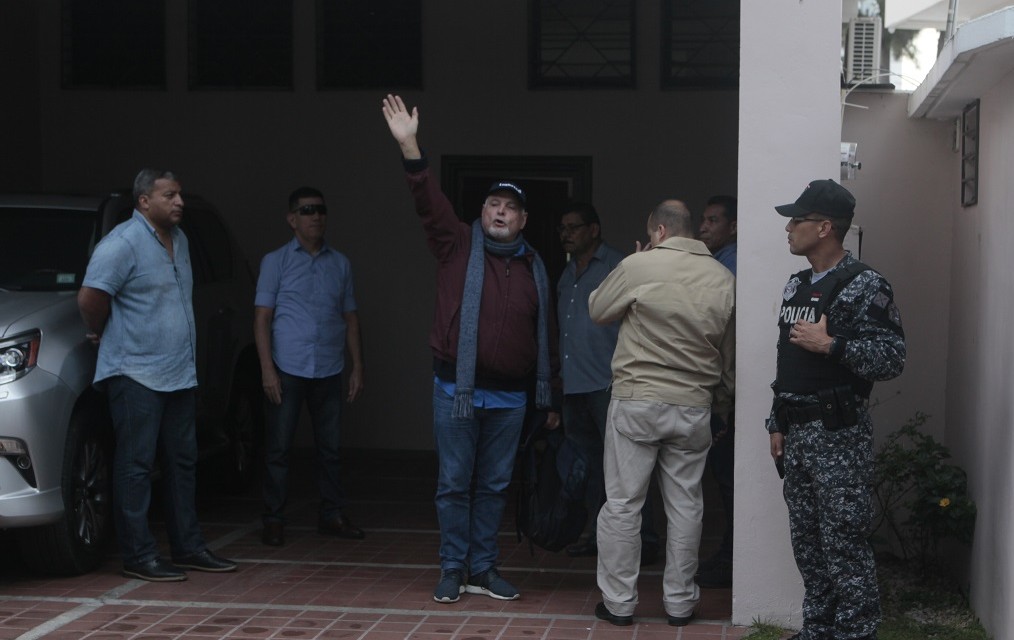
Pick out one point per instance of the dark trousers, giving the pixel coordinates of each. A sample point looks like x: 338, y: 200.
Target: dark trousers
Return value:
x: 149, y: 424
x: 723, y: 467
x: 323, y: 400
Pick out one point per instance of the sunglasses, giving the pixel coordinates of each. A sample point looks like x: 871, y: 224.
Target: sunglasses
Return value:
x: 310, y: 209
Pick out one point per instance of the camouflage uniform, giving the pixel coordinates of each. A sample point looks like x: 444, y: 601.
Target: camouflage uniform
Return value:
x: 828, y: 473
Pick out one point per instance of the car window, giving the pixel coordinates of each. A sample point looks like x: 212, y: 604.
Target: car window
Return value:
x: 46, y: 249
x: 209, y: 241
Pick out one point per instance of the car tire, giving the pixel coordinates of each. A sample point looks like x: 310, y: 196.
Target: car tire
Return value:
x: 79, y: 540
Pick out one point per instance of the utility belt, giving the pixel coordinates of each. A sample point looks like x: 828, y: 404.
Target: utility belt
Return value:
x: 836, y: 407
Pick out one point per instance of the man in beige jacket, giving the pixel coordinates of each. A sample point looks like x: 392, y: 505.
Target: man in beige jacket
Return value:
x: 673, y: 366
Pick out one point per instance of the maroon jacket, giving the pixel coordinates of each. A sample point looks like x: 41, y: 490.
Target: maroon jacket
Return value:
x: 507, y: 341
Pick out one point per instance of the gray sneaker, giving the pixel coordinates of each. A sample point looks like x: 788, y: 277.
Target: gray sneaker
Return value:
x: 491, y: 584
x: 450, y: 587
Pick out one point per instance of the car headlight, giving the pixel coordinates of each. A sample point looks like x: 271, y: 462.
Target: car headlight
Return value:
x: 19, y: 355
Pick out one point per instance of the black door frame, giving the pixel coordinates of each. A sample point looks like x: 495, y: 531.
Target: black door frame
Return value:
x: 549, y: 181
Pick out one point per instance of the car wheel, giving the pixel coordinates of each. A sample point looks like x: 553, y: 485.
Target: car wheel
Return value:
x: 246, y: 432
x: 78, y: 541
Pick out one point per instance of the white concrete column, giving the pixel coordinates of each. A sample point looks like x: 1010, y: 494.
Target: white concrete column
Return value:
x: 789, y: 132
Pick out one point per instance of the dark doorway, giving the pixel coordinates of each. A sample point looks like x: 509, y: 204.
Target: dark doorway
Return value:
x: 550, y: 182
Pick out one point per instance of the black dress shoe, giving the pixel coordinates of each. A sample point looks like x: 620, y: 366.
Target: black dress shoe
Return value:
x: 603, y: 614
x: 205, y: 561
x: 273, y: 534
x: 157, y: 570
x: 583, y: 549
x: 339, y: 526
x: 679, y: 621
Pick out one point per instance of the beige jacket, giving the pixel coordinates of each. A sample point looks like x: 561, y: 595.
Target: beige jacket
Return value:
x: 677, y: 335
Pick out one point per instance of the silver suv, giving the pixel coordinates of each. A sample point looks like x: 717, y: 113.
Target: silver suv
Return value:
x: 55, y: 431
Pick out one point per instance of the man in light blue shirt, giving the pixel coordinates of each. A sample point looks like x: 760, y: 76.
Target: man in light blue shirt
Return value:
x: 586, y: 351
x: 304, y: 318
x: 136, y: 301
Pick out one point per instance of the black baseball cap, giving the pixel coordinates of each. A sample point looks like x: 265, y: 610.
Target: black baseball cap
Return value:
x: 826, y: 197
x: 509, y: 187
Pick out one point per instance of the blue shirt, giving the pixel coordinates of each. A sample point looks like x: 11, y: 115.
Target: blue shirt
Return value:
x: 487, y: 398
x: 586, y: 348
x: 727, y: 256
x: 309, y: 295
x: 150, y: 335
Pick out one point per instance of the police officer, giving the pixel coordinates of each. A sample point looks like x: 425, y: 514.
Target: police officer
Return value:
x: 839, y: 331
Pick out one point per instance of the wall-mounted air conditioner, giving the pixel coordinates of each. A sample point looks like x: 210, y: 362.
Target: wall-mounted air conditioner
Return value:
x: 862, y: 51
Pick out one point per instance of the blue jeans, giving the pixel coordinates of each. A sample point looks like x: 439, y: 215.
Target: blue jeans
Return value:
x: 476, y: 459
x: 147, y: 423
x: 324, y: 401
x: 584, y: 422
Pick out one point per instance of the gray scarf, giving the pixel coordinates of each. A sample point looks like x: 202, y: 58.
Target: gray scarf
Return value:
x: 468, y: 332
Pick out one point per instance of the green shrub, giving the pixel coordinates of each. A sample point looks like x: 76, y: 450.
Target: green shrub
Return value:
x: 920, y: 499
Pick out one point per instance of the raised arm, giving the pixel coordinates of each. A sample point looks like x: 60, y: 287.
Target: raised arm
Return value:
x: 403, y: 125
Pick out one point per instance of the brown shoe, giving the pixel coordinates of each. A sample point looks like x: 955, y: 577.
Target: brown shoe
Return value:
x: 273, y: 534
x: 339, y: 525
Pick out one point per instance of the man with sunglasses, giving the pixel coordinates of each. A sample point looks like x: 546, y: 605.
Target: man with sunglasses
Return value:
x: 304, y: 318
x: 839, y: 331
x: 586, y: 351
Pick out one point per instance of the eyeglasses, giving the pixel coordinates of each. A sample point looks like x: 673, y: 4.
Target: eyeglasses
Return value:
x: 310, y: 209
x: 570, y: 228
x: 795, y: 221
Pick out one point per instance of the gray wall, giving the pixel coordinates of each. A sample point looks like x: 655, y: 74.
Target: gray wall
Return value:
x: 19, y: 97
x: 980, y: 405
x: 903, y: 195
x: 789, y: 135
x: 246, y: 150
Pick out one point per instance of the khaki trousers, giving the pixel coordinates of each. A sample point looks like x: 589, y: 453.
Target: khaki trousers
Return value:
x: 639, y: 435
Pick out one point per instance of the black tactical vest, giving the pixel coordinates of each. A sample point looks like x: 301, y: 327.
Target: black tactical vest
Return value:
x: 805, y: 372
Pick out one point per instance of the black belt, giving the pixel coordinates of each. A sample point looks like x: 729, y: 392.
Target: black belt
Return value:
x: 802, y: 414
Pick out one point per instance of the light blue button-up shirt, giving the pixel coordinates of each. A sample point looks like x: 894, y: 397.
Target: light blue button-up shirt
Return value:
x: 309, y: 294
x: 586, y: 348
x: 150, y: 335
